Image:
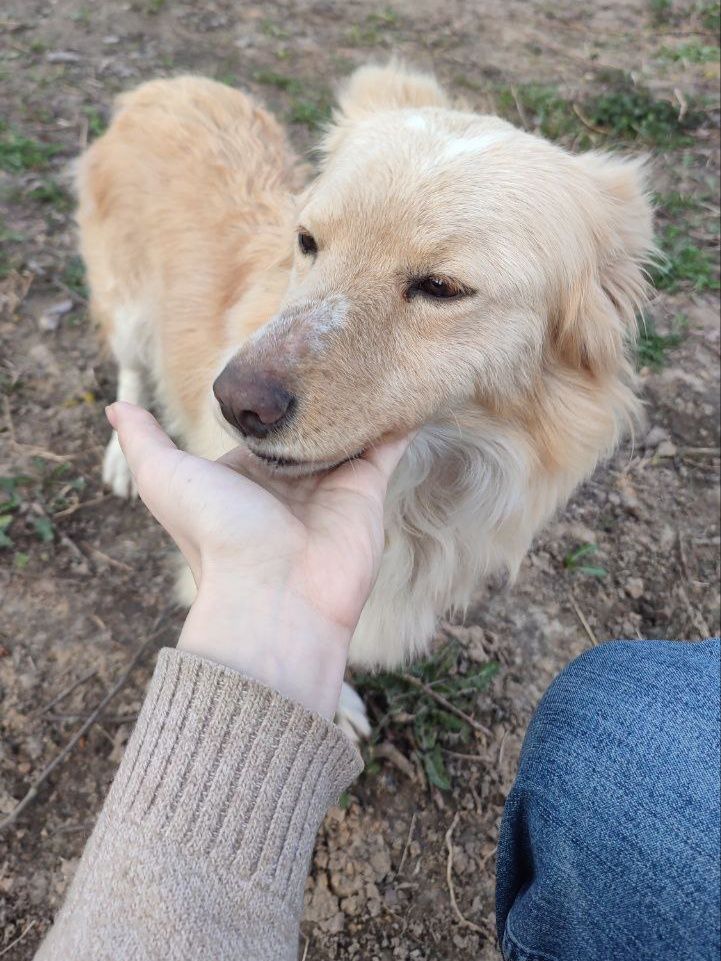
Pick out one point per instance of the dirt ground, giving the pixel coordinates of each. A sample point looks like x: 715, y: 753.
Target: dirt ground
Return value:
x: 83, y: 577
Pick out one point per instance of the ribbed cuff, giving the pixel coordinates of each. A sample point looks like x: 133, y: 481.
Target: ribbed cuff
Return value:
x: 231, y: 770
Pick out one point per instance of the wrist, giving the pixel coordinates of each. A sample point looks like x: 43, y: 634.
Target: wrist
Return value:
x: 272, y: 637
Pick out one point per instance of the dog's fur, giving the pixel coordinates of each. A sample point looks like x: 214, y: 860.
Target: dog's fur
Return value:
x: 189, y: 207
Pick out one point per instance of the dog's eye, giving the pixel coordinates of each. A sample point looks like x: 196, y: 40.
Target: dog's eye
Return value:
x: 441, y: 288
x: 307, y: 243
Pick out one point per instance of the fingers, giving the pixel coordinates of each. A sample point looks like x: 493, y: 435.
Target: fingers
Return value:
x: 386, y: 455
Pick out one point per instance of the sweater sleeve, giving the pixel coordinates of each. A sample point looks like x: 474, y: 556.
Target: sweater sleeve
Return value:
x: 203, y: 845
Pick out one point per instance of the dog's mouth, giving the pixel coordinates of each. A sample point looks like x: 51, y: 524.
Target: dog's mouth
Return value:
x: 292, y: 467
x: 281, y: 463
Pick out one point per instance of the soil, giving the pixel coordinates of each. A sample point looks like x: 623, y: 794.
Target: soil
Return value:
x: 86, y: 576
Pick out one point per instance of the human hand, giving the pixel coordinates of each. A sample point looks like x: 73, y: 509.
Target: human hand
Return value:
x: 283, y: 565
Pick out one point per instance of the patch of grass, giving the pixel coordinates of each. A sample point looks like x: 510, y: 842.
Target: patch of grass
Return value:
x: 692, y: 52
x: 227, y: 77
x: 387, y: 17
x: 308, y: 105
x: 8, y: 260
x: 622, y: 111
x: 577, y: 561
x: 10, y: 501
x: 661, y: 11
x: 274, y: 30
x: 628, y: 111
x: 374, y: 28
x: 467, y: 83
x: 153, y: 7
x: 312, y: 113
x: 541, y: 107
x: 97, y: 124
x: 711, y: 16
x: 430, y: 727
x: 652, y: 347
x: 685, y: 265
x: 50, y: 192
x: 83, y: 16
x: 73, y: 276
x: 270, y: 78
x: 5, y: 540
x: 19, y: 153
x: 675, y: 202
x: 27, y: 503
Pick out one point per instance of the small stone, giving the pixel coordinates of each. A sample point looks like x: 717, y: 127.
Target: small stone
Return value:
x: 654, y: 437
x: 666, y: 449
x: 634, y: 587
x: 62, y: 56
x: 49, y: 320
x: 350, y: 905
x: 667, y: 537
x: 629, y: 497
x: 380, y: 861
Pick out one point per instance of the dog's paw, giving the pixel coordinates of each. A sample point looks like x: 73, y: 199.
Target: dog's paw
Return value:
x: 351, y: 716
x: 116, y: 473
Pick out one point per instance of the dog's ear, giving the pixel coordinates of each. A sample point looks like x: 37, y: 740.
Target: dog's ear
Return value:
x: 596, y: 318
x: 372, y: 89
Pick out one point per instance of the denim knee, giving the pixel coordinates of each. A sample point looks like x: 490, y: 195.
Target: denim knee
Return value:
x: 609, y: 842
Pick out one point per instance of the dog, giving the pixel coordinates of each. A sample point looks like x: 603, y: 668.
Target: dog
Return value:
x: 444, y: 272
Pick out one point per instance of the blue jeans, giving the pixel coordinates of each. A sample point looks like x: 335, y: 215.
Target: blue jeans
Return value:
x: 609, y: 847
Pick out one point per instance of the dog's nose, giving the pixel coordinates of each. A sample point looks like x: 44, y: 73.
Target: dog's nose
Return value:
x: 256, y: 403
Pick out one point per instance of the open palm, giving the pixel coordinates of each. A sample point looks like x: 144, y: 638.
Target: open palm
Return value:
x: 291, y: 560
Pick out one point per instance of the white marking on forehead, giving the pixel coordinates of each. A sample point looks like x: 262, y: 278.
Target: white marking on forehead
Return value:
x: 416, y: 121
x: 305, y: 323
x: 461, y: 146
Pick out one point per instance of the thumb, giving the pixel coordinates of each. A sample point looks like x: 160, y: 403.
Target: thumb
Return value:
x: 150, y: 453
x: 386, y: 455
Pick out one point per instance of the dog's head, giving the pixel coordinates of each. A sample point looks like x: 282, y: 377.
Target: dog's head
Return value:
x: 442, y: 259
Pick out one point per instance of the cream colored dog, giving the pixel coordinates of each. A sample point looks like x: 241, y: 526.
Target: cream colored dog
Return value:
x: 444, y: 271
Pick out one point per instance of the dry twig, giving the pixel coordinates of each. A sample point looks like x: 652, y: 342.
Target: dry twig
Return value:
x: 465, y: 757
x: 121, y: 565
x: 81, y: 505
x: 587, y: 122
x: 391, y: 753
x: 697, y: 618
x: 519, y: 108
x: 682, y: 103
x: 64, y: 693
x: 407, y: 846
x: 30, y: 449
x: 21, y: 937
x: 446, y: 704
x: 84, y: 728
x: 582, y: 618
x: 463, y: 921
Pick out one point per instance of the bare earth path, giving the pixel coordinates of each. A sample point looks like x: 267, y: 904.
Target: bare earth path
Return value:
x: 83, y: 577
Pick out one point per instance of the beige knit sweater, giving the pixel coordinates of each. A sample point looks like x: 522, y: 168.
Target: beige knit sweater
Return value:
x: 202, y: 848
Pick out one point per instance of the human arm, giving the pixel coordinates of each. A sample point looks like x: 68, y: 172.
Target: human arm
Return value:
x: 202, y: 847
